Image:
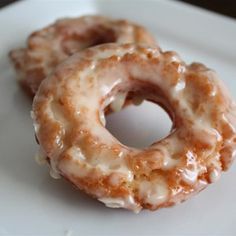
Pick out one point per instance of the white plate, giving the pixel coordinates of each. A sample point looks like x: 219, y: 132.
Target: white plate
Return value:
x: 32, y: 203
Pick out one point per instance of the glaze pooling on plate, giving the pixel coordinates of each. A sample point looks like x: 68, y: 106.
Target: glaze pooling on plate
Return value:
x: 67, y: 113
x: 51, y: 45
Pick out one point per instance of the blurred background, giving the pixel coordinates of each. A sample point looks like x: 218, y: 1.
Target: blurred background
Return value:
x: 225, y: 7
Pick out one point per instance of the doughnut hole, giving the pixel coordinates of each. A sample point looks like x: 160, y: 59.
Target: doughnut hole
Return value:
x: 139, y: 126
x: 95, y: 36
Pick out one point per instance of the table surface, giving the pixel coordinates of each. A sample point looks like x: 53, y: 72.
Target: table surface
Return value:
x: 226, y: 7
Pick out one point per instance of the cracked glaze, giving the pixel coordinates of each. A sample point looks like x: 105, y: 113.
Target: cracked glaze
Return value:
x: 68, y: 114
x: 51, y: 45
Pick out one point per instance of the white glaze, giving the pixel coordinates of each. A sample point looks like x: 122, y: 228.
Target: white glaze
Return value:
x: 127, y: 202
x: 169, y: 162
x: 76, y: 153
x: 167, y: 148
x: 35, y: 124
x: 40, y: 157
x: 54, y: 173
x: 83, y: 167
x: 214, y: 175
x: 179, y: 86
x: 189, y: 176
x: 154, y: 193
x: 118, y: 102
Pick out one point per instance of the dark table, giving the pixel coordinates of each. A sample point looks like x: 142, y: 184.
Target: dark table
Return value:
x: 225, y: 7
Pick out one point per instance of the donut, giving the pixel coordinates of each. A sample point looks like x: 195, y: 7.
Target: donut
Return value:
x: 68, y: 114
x: 49, y: 46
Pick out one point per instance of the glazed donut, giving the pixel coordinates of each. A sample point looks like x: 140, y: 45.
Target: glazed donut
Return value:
x: 49, y: 46
x: 68, y: 114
